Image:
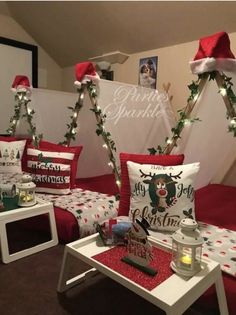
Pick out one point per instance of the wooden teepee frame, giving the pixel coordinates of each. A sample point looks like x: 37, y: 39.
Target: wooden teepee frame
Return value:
x: 109, y: 144
x: 21, y: 103
x: 225, y: 88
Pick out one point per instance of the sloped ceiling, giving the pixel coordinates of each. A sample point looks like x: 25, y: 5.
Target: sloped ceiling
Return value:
x: 75, y: 31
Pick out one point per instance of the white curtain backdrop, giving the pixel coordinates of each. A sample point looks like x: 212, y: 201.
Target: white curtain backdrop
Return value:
x: 208, y: 141
x: 138, y: 118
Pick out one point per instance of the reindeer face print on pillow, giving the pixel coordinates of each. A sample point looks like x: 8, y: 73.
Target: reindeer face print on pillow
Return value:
x: 163, y: 195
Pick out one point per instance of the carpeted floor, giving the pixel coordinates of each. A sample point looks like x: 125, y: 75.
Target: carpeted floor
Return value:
x: 28, y: 286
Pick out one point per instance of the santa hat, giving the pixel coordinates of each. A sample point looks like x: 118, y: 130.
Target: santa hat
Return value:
x: 214, y: 54
x: 84, y: 72
x: 21, y: 84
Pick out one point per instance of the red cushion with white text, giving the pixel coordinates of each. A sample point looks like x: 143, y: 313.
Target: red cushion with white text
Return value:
x: 53, y: 167
x: 58, y: 147
x: 164, y: 160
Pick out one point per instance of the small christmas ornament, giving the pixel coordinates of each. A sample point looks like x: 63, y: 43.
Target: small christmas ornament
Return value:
x: 26, y: 191
x: 113, y: 231
x: 21, y: 84
x: 138, y: 247
x: 85, y: 72
x: 214, y: 54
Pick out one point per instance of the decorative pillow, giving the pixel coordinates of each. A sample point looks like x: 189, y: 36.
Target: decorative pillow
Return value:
x: 60, y: 148
x: 163, y: 195
x: 24, y: 157
x: 143, y: 159
x: 51, y: 169
x: 11, y: 156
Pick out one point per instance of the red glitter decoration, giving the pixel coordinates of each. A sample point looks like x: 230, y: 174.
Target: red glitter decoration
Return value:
x: 161, y: 262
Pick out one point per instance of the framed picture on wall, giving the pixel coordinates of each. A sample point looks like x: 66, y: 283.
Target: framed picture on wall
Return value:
x: 148, y: 72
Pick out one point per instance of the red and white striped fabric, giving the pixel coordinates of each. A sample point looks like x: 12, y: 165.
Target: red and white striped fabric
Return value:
x: 50, y: 170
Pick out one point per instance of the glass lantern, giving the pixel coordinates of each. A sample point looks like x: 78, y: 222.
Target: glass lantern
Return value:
x: 187, y: 248
x: 26, y: 192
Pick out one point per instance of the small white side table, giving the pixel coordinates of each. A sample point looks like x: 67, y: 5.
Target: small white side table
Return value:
x: 174, y: 295
x: 41, y: 207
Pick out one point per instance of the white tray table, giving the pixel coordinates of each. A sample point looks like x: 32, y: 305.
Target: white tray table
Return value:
x: 41, y: 207
x: 175, y: 295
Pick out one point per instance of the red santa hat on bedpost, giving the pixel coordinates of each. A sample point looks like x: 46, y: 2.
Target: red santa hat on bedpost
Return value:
x: 85, y: 72
x: 214, y: 54
x: 21, y: 84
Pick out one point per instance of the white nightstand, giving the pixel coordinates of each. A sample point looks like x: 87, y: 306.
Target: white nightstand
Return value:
x: 22, y: 213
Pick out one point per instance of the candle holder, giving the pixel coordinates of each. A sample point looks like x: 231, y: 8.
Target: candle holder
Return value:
x: 187, y: 248
x: 26, y: 192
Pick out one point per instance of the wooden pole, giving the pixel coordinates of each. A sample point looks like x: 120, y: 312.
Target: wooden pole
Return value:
x: 187, y: 111
x: 230, y: 109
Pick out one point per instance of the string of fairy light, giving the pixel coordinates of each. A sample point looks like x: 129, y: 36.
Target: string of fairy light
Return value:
x: 224, y: 84
x: 22, y: 100
x: 72, y: 127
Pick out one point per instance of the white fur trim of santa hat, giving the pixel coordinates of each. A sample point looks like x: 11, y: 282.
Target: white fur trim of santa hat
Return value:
x: 95, y: 78
x: 212, y: 64
x: 22, y: 88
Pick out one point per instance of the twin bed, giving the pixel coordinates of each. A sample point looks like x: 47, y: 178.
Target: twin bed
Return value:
x: 215, y: 205
x: 93, y: 200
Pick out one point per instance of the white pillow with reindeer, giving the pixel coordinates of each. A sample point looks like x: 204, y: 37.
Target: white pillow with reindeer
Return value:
x: 163, y: 195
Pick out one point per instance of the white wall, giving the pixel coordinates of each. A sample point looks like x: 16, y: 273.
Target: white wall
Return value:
x: 173, y: 67
x: 49, y: 71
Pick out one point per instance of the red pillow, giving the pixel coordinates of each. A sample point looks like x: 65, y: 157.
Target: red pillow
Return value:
x: 165, y: 160
x: 60, y: 148
x: 8, y: 138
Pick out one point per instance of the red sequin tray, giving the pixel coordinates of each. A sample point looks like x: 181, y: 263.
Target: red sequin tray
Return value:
x: 161, y: 262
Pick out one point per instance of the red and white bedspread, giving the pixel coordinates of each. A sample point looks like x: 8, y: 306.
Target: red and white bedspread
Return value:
x: 219, y: 245
x: 88, y: 207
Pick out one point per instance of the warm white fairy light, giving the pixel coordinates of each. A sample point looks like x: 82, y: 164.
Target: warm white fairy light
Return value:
x: 29, y: 110
x: 73, y: 131
x: 223, y: 91
x: 187, y: 122
x: 82, y: 96
x: 75, y: 115
x: 105, y: 146
x: 169, y: 141
x: 110, y: 164
x: 195, y: 97
x: 118, y: 183
x: 98, y: 107
x: 233, y: 122
x: 20, y: 96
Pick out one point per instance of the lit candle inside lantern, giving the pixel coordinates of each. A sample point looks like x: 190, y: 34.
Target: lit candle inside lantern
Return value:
x: 187, y: 260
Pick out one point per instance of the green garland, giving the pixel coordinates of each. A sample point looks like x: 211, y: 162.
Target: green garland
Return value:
x: 22, y: 100
x: 72, y: 126
x: 101, y: 131
x: 225, y: 89
x: 109, y: 144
